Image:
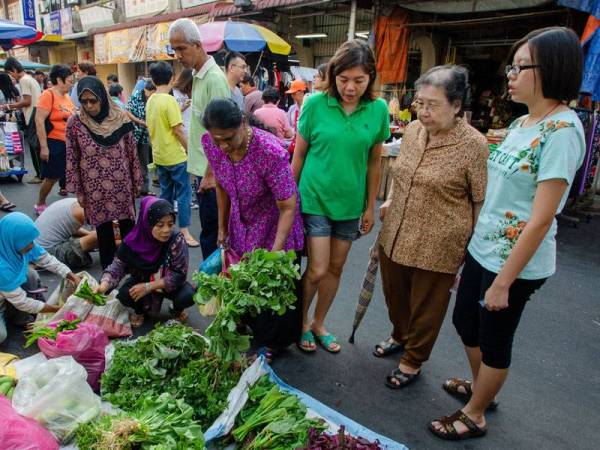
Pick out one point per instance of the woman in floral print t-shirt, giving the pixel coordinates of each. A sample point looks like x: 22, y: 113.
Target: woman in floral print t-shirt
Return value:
x: 513, y: 249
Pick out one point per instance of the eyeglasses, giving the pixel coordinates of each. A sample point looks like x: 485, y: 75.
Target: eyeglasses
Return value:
x: 88, y: 101
x: 422, y: 106
x: 244, y: 67
x: 517, y: 69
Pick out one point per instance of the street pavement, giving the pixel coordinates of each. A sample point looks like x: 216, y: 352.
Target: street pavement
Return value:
x: 550, y: 401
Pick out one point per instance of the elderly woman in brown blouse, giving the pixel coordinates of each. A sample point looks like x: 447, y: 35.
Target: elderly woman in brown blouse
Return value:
x: 439, y: 182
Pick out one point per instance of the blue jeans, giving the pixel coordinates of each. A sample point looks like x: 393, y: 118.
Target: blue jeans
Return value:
x: 209, y: 220
x: 175, y: 185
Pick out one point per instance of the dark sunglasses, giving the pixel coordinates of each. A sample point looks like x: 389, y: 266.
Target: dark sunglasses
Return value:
x: 88, y: 101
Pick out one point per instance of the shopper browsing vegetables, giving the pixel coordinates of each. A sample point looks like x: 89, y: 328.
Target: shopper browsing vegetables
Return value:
x: 17, y: 250
x: 156, y: 256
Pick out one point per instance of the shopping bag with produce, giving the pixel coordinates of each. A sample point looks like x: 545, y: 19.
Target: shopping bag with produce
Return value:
x: 228, y: 257
x: 58, y: 396
x: 22, y: 433
x: 85, y: 342
x: 213, y: 264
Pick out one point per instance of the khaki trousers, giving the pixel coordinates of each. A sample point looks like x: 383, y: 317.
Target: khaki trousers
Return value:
x: 417, y: 301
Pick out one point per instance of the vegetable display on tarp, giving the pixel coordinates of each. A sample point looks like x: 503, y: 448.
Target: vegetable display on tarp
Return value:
x: 56, y: 394
x: 272, y: 419
x: 261, y: 281
x: 16, y: 429
x: 146, y: 365
x: 154, y: 423
x: 321, y: 440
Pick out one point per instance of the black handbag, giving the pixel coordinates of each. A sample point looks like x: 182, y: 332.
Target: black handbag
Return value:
x: 47, y: 123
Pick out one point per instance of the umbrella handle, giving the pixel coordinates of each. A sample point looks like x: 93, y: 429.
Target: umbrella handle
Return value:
x: 351, y: 340
x: 258, y: 63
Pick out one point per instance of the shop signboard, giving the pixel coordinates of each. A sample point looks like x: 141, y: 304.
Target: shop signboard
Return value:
x: 66, y: 21
x: 97, y: 16
x: 121, y: 46
x: 29, y: 13
x: 158, y: 42
x: 135, y: 8
x: 55, y: 23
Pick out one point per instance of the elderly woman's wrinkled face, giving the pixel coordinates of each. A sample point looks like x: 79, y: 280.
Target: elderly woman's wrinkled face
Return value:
x: 162, y: 230
x: 434, y: 110
x: 90, y: 103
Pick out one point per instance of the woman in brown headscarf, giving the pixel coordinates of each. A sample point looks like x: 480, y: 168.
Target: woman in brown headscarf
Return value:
x: 102, y: 164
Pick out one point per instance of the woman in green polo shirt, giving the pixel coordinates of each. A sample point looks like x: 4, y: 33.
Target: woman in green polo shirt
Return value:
x: 336, y: 165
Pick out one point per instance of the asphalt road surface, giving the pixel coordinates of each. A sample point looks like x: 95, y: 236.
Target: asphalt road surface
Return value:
x: 550, y: 401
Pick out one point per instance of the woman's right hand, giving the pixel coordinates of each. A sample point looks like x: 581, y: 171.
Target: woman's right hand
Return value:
x: 222, y: 238
x: 383, y: 209
x: 102, y: 288
x: 44, y: 154
x: 49, y: 308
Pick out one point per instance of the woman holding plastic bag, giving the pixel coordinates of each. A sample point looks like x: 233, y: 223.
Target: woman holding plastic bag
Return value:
x: 17, y: 251
x: 156, y: 256
x: 258, y: 202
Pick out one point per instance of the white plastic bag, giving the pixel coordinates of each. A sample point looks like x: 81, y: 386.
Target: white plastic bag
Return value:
x: 57, y: 395
x: 26, y: 365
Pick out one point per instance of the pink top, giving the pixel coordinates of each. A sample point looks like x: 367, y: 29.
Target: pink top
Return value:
x: 274, y: 118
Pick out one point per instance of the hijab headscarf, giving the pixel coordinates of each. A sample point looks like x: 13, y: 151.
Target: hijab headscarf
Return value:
x: 139, y: 248
x: 17, y: 231
x: 111, y: 123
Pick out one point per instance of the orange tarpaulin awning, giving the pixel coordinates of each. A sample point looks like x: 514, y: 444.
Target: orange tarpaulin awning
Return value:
x: 392, y: 37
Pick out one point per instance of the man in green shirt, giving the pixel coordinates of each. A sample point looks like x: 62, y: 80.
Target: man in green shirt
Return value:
x: 209, y: 83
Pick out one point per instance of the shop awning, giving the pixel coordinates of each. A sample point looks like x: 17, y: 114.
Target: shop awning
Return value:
x: 468, y: 6
x: 28, y: 65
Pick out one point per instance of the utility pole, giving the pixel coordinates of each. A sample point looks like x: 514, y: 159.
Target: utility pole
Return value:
x: 352, y: 25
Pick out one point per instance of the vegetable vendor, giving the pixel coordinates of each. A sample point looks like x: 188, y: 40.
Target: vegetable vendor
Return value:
x: 257, y: 199
x: 17, y: 250
x: 156, y: 256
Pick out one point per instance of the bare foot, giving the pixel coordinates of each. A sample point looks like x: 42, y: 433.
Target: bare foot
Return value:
x: 136, y: 320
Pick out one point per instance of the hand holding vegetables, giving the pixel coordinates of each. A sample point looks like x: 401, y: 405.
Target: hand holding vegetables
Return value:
x: 102, y: 288
x: 74, y: 279
x: 85, y: 292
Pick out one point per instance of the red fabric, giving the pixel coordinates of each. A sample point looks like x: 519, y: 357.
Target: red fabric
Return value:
x: 590, y: 27
x: 391, y: 37
x: 292, y: 146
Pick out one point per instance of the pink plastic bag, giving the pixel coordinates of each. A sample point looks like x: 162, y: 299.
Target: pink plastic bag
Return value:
x: 22, y: 433
x: 86, y: 345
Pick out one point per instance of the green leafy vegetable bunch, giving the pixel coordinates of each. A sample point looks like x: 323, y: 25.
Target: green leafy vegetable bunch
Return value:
x: 261, y: 281
x: 50, y: 332
x: 85, y: 292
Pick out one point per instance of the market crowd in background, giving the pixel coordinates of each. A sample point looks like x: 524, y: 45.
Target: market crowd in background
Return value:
x: 305, y: 179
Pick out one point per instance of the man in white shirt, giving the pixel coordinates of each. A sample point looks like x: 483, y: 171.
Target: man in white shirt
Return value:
x: 30, y: 93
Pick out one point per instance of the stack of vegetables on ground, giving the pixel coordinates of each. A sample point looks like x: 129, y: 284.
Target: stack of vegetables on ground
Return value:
x: 272, y: 419
x: 7, y: 386
x: 155, y: 423
x: 50, y: 332
x: 85, y: 292
x: 321, y: 440
x: 261, y: 281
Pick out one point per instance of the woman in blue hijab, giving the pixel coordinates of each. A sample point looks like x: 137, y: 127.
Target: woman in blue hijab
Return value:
x: 17, y: 250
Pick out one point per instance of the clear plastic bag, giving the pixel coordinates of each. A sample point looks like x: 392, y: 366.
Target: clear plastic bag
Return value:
x: 58, y: 396
x: 86, y: 345
x: 22, y: 433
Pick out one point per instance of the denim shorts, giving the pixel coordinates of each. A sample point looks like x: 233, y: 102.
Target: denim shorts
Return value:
x: 321, y: 226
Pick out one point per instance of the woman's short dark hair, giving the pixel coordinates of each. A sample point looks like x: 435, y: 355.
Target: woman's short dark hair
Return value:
x: 87, y: 67
x: 184, y: 80
x: 349, y: 55
x: 271, y: 95
x: 161, y: 73
x: 61, y: 71
x: 225, y: 114
x: 249, y: 80
x: 115, y: 90
x: 112, y: 77
x: 453, y: 79
x: 7, y: 87
x: 558, y: 53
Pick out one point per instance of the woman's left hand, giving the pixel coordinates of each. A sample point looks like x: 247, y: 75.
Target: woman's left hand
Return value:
x: 496, y: 298
x: 138, y: 291
x: 74, y: 279
x: 367, y: 221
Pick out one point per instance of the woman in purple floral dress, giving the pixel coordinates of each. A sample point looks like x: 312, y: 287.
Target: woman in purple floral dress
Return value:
x: 102, y: 165
x: 257, y: 198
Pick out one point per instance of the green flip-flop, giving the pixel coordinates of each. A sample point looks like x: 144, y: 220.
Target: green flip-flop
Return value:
x: 310, y: 338
x: 326, y: 340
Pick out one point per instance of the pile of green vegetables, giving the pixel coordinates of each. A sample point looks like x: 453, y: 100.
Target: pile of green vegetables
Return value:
x: 172, y: 359
x: 261, y: 281
x: 156, y: 423
x: 7, y: 386
x: 272, y: 419
x: 49, y: 332
x: 85, y: 292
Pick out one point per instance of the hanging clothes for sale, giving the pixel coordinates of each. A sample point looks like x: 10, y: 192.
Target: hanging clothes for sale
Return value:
x: 392, y: 38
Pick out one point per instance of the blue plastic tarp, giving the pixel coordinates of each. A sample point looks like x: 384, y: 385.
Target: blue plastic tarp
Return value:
x: 589, y: 6
x: 591, y: 68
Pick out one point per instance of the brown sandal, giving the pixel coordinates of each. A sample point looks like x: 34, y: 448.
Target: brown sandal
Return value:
x: 461, y: 389
x: 451, y: 434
